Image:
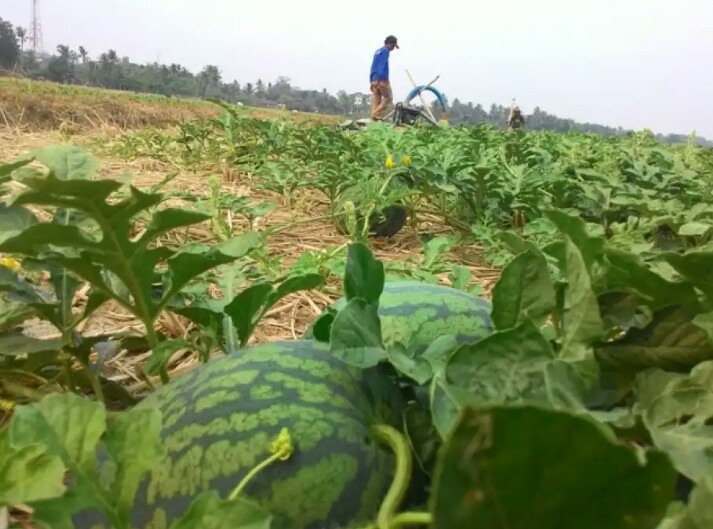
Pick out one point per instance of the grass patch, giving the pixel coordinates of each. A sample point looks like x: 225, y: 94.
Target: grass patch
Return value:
x: 27, y: 105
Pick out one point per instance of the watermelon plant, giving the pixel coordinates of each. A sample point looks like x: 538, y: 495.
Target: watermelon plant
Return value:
x: 300, y: 398
x: 110, y: 239
x: 580, y: 390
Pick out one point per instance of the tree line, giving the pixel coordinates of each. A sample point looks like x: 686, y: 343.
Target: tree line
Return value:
x: 109, y: 70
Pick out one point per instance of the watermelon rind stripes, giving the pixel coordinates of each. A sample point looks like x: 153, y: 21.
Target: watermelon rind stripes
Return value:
x: 416, y: 313
x: 219, y: 419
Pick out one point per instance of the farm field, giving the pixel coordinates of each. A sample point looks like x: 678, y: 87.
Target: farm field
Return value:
x: 177, y: 271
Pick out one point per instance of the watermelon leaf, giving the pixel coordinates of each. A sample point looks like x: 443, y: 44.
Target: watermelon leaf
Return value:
x: 507, y: 366
x: 581, y: 322
x: 696, y: 267
x: 628, y: 272
x: 574, y: 230
x: 676, y: 410
x: 69, y: 425
x: 245, y: 308
x: 117, y: 264
x: 28, y: 473
x: 415, y: 367
x: 447, y: 401
x: 699, y: 514
x: 549, y: 451
x: 355, y: 335
x: 6, y: 169
x: 524, y: 291
x: 208, y: 511
x: 68, y: 429
x: 161, y: 354
x: 248, y: 307
x: 133, y: 442
x: 66, y: 161
x: 674, y: 340
x: 364, y: 275
x: 14, y: 219
x: 322, y: 326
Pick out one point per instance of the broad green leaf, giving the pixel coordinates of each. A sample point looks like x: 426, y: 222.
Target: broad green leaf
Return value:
x: 6, y: 169
x: 439, y: 351
x: 208, y: 511
x: 13, y: 314
x: 705, y: 322
x: 581, y: 322
x: 13, y: 220
x: 621, y: 311
x: 574, y: 229
x: 699, y: 514
x: 242, y: 245
x: 15, y: 344
x: 422, y: 435
x: 516, y: 244
x: 162, y: 353
x: 415, y: 367
x: 550, y: 452
x: 115, y: 264
x: 566, y: 389
x: 677, y: 411
x: 628, y: 272
x: 73, y: 194
x: 295, y: 284
x: 322, y: 326
x: 696, y: 267
x: 69, y: 426
x: 460, y: 277
x: 246, y: 307
x: 694, y: 229
x: 37, y: 237
x: 524, y: 292
x: 133, y: 442
x: 182, y: 268
x: 169, y: 219
x: 364, y: 275
x: 507, y: 366
x: 671, y: 341
x: 447, y: 402
x: 67, y: 161
x: 28, y: 473
x: 355, y: 335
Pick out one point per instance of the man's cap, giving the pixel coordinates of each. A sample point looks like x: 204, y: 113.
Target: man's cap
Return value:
x: 392, y: 40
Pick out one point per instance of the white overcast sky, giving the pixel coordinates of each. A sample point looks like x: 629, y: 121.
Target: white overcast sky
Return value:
x: 633, y: 63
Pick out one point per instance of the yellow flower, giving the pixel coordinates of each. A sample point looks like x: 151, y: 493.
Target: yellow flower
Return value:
x: 10, y: 263
x: 406, y: 159
x: 390, y: 162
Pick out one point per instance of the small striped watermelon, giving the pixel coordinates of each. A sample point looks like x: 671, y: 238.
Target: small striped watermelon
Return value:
x: 220, y: 419
x: 416, y: 312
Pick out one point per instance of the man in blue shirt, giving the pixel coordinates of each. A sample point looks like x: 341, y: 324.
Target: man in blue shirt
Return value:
x: 381, y: 96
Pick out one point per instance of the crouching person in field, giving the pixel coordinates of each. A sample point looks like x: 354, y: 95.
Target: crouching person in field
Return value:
x: 516, y: 119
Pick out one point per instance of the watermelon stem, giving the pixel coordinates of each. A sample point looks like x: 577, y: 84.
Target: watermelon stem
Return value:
x: 397, y: 442
x: 406, y: 519
x: 281, y: 450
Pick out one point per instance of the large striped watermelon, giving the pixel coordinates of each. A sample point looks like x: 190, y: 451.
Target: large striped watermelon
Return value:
x: 418, y: 313
x: 220, y: 419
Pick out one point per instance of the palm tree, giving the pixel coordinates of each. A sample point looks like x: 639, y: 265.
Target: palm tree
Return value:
x: 22, y: 35
x: 64, y: 51
x: 83, y: 54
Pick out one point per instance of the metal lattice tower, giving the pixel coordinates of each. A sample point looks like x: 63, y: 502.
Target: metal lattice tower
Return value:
x: 36, y: 27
